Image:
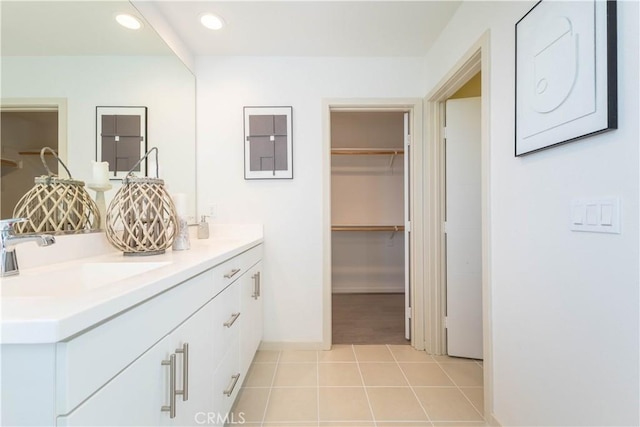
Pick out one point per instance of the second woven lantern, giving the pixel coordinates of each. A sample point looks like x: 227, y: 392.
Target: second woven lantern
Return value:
x: 141, y: 219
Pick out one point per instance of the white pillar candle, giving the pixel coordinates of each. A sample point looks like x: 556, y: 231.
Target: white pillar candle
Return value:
x: 180, y: 202
x: 100, y: 173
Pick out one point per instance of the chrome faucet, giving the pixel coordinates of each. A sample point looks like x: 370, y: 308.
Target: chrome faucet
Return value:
x: 9, y: 239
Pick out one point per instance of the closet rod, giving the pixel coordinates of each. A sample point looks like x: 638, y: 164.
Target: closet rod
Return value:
x: 367, y: 228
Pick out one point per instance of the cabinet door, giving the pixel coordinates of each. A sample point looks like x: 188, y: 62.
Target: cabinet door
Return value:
x: 251, y: 307
x: 196, y: 335
x: 136, y: 396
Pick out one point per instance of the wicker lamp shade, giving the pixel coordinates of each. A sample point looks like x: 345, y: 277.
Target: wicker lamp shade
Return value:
x: 141, y: 219
x: 56, y: 204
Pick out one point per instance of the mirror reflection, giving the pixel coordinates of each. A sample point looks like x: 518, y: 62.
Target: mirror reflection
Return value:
x: 62, y: 60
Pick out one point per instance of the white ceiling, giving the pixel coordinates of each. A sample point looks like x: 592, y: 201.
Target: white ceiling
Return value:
x: 311, y: 28
x: 281, y: 28
x: 73, y: 28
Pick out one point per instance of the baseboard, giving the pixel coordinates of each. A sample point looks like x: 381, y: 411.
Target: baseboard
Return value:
x: 279, y: 346
x: 376, y: 290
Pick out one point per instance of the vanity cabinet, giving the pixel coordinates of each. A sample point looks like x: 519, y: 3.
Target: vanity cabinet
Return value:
x: 178, y: 358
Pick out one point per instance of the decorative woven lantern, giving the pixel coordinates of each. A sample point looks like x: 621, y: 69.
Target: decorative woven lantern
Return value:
x: 56, y: 204
x: 141, y: 219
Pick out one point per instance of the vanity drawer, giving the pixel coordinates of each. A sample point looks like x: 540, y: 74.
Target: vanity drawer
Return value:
x: 229, y: 271
x: 86, y: 362
x: 227, y: 380
x: 227, y: 319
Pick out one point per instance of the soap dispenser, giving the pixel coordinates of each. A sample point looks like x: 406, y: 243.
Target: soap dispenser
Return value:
x: 203, y: 228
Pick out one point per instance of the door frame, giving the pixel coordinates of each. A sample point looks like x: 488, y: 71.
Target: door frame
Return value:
x: 43, y: 104
x: 476, y: 59
x: 414, y: 107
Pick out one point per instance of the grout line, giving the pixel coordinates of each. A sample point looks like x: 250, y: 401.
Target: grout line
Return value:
x: 318, y: 388
x: 462, y: 392
x: 273, y: 379
x: 357, y: 386
x: 472, y: 404
x: 364, y: 386
x: 410, y: 386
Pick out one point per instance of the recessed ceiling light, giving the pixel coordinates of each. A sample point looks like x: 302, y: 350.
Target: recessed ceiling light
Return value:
x: 211, y: 21
x: 129, y: 21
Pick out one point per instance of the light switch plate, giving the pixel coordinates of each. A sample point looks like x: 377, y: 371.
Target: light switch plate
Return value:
x: 595, y: 215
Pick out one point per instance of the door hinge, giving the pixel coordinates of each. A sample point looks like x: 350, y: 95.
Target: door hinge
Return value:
x: 444, y: 132
x: 408, y: 227
x: 407, y: 140
x: 446, y: 322
x: 444, y: 227
x: 409, y: 313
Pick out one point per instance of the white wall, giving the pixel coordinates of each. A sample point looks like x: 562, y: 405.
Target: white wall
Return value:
x: 291, y: 210
x: 162, y: 84
x: 565, y: 304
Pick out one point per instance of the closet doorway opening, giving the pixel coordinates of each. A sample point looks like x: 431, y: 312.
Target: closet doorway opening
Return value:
x: 28, y: 125
x: 371, y: 292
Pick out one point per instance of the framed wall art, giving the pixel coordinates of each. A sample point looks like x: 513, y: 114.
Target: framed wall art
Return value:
x: 268, y: 143
x: 566, y: 74
x: 121, y: 139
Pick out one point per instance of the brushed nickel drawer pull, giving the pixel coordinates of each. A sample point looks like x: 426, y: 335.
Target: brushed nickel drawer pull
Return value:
x: 171, y: 409
x: 232, y: 385
x: 232, y: 273
x: 185, y: 371
x: 232, y: 320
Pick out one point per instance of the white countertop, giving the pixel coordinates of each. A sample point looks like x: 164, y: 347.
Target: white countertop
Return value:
x: 54, y: 302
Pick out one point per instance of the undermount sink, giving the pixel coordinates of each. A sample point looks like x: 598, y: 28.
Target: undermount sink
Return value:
x: 73, y: 280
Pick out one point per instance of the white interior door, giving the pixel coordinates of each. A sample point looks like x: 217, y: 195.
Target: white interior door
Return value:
x: 407, y: 230
x: 463, y: 228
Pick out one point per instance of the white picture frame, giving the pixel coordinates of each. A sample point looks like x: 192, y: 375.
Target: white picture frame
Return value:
x: 566, y: 74
x: 268, y: 143
x: 131, y: 137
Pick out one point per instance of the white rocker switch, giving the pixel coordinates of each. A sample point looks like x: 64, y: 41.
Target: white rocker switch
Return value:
x: 592, y: 214
x: 606, y: 215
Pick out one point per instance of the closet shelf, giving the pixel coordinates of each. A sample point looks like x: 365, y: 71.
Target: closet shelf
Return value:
x: 393, y: 152
x: 11, y: 162
x: 367, y: 228
x: 367, y: 151
x: 35, y: 153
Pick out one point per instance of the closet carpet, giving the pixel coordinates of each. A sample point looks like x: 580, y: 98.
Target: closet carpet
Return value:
x: 368, y: 319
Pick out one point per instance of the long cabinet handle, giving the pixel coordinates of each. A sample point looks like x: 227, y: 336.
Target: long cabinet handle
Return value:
x: 232, y: 385
x: 259, y: 283
x: 231, y: 320
x: 232, y: 273
x: 185, y: 371
x: 256, y: 285
x: 171, y: 409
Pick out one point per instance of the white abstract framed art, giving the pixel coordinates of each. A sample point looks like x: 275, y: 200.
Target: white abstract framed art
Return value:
x: 268, y: 142
x: 121, y: 139
x: 566, y: 74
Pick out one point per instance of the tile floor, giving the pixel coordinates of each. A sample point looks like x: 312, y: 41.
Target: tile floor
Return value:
x: 361, y: 386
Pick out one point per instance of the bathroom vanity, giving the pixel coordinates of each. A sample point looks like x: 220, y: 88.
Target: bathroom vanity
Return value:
x: 115, y: 340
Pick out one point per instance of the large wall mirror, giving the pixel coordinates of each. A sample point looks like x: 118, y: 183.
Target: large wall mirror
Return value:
x: 61, y: 60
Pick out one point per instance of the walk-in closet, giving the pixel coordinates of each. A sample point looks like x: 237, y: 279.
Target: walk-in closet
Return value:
x: 369, y: 246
